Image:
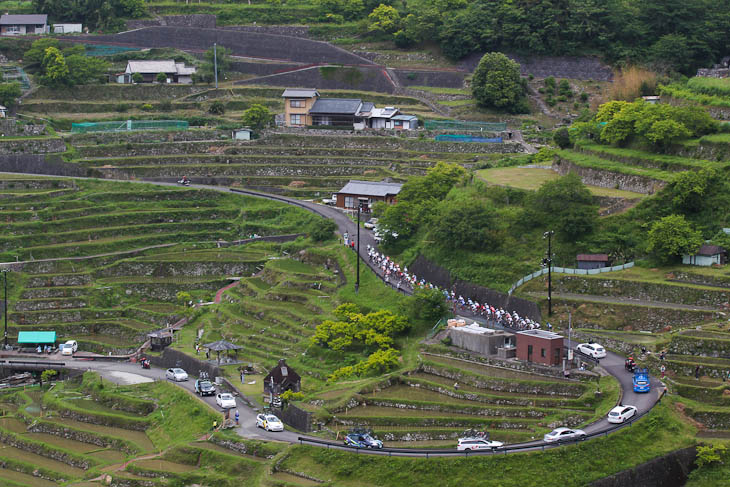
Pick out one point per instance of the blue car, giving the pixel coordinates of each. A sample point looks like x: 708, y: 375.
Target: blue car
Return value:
x: 641, y: 380
x: 362, y: 440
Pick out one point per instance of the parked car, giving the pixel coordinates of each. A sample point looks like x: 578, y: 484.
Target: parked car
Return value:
x: 204, y: 388
x: 177, y: 374
x: 592, y: 350
x: 620, y: 414
x: 225, y: 400
x: 370, y: 224
x: 330, y: 201
x: 362, y: 440
x: 641, y: 380
x: 560, y: 435
x: 269, y: 422
x: 70, y: 347
x: 468, y: 444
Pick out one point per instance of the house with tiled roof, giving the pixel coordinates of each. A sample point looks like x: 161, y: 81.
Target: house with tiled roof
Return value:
x: 304, y: 107
x: 149, y: 70
x: 706, y: 256
x: 11, y: 25
x: 369, y: 192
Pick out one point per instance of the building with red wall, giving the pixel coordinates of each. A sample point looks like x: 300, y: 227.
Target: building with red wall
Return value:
x: 540, y: 346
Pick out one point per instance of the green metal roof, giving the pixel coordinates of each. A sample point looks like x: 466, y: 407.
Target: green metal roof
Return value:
x: 37, y: 337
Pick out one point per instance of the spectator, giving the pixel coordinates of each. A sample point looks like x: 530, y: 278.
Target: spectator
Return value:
x: 662, y: 369
x: 456, y: 386
x: 697, y: 372
x: 215, y: 424
x: 237, y: 416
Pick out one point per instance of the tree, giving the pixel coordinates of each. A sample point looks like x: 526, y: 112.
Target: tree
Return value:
x: 464, y: 224
x: 184, y: 297
x: 257, y: 116
x: 384, y: 19
x: 497, y: 84
x: 671, y: 237
x: 9, y: 93
x: 47, y: 375
x: 427, y: 305
x: 322, y: 229
x: 161, y: 78
x: 137, y: 78
x: 561, y: 137
x: 689, y: 189
x: 663, y: 133
x: 566, y: 205
x: 37, y: 50
x: 86, y: 69
x: 55, y: 70
x: 220, y: 57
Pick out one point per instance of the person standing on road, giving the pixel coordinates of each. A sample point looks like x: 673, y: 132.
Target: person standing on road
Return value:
x: 697, y: 372
x: 662, y: 369
x: 215, y: 424
x: 243, y: 377
x: 237, y: 416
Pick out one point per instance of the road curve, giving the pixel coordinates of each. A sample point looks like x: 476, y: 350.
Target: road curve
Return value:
x: 613, y: 363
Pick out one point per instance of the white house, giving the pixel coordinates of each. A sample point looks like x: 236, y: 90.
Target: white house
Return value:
x: 706, y: 256
x: 175, y: 72
x: 67, y: 28
x: 11, y: 25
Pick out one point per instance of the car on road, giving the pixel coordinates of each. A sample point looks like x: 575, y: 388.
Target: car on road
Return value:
x: 592, y: 350
x: 370, y: 224
x: 269, y: 422
x: 362, y: 440
x: 559, y: 435
x: 177, y: 374
x: 621, y: 414
x: 225, y: 400
x: 204, y: 388
x: 70, y: 347
x: 641, y: 380
x: 469, y: 444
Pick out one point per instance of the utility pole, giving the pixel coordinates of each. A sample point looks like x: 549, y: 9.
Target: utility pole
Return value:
x: 215, y: 64
x: 5, y: 336
x: 548, y: 261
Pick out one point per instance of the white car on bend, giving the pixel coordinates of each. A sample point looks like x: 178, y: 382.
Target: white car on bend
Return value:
x: 225, y: 400
x: 592, y: 349
x: 621, y: 414
x: 269, y: 422
x: 559, y: 435
x: 468, y: 444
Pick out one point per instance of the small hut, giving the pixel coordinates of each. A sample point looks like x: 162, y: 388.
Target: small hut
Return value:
x: 160, y: 339
x: 223, y: 346
x: 282, y: 378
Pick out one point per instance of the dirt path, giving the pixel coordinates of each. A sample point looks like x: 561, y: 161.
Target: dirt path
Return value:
x: 219, y: 294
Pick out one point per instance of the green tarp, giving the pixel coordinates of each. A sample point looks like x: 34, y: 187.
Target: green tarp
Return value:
x: 37, y: 337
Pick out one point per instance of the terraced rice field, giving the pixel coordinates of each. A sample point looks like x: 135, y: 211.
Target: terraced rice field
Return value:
x: 109, y: 303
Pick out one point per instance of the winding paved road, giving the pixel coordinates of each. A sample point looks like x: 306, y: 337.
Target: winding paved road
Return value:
x: 126, y: 372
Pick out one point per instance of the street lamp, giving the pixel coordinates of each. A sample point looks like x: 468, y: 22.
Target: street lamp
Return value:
x: 548, y: 261
x: 5, y: 278
x: 360, y: 202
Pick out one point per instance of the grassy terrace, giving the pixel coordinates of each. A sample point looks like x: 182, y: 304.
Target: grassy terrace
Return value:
x: 593, y: 162
x: 648, y: 159
x: 533, y: 178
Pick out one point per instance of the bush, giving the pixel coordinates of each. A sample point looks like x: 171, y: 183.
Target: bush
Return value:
x: 217, y: 108
x: 161, y: 78
x: 561, y: 137
x: 497, y: 83
x: 147, y: 107
x: 137, y: 78
x: 322, y: 229
x: 584, y: 97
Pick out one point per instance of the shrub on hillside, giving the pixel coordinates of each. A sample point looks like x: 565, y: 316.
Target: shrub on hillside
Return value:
x: 322, y: 229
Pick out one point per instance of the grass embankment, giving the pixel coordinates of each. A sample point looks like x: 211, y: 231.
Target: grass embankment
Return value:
x: 661, y: 432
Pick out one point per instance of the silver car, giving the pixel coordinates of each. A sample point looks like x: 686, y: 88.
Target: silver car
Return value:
x: 560, y: 435
x: 177, y: 374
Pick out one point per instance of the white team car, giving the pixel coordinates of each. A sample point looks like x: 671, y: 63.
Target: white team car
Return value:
x: 269, y: 422
x: 592, y: 349
x: 469, y: 444
x: 225, y: 400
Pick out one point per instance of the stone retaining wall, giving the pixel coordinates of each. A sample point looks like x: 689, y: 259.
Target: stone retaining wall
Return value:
x: 670, y: 470
x: 148, y: 136
x: 31, y: 146
x: 609, y: 179
x: 179, y: 269
x: 77, y: 435
x: 644, y: 291
x: 703, y: 347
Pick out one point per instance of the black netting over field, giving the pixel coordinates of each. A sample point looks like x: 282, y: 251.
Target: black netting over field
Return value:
x: 251, y: 44
x: 331, y: 78
x: 559, y: 67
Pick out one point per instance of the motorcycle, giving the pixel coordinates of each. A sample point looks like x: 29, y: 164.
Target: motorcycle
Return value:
x: 184, y: 182
x: 145, y: 363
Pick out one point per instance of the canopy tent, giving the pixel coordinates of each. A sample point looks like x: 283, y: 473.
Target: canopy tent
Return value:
x: 222, y: 346
x: 37, y: 337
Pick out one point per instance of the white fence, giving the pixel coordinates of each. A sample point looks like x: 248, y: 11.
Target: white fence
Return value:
x: 568, y: 270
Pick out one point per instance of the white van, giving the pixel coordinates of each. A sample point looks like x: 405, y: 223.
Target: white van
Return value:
x: 70, y: 347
